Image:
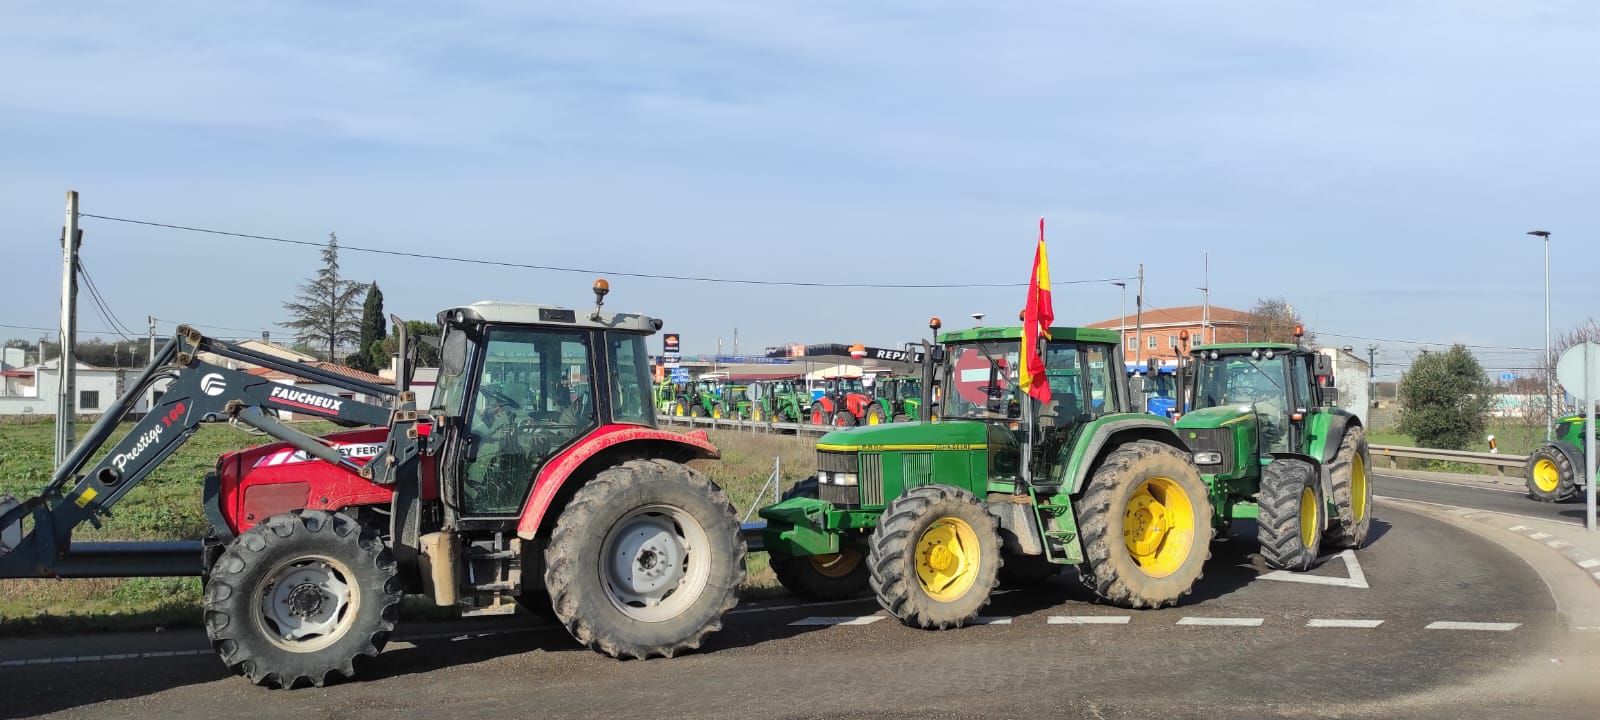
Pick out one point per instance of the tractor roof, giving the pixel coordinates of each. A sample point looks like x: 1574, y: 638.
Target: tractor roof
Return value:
x: 1236, y: 348
x: 495, y: 311
x: 1015, y: 333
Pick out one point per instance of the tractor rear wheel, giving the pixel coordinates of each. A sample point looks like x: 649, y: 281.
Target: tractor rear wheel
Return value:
x: 903, y: 418
x: 645, y: 560
x: 842, y: 418
x: 1352, y: 491
x: 837, y: 576
x: 756, y: 415
x: 935, y: 557
x: 819, y: 415
x: 679, y: 410
x: 1289, y: 523
x: 697, y: 410
x: 876, y: 415
x: 1550, y: 476
x: 300, y: 598
x: 1146, y: 526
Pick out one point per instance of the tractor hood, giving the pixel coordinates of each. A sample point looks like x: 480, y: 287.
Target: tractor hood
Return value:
x: 1215, y: 417
x: 948, y: 435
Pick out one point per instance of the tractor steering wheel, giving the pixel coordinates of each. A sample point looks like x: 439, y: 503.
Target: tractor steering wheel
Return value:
x: 500, y: 396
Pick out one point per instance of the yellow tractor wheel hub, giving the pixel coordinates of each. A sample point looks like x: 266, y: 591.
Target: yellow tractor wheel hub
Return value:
x: 948, y: 557
x: 872, y: 418
x: 1546, y: 475
x: 1158, y: 526
x: 1309, y: 525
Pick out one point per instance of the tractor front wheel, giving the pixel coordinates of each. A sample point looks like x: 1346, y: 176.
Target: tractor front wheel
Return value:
x: 300, y: 598
x: 1352, y: 491
x: 1550, y: 476
x: 819, y: 416
x: 836, y: 576
x: 935, y: 557
x: 697, y: 410
x: 875, y: 415
x: 1146, y: 526
x: 843, y: 419
x: 645, y: 560
x: 1289, y: 524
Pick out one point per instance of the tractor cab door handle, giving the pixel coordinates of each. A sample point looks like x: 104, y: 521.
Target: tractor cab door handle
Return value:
x: 469, y: 452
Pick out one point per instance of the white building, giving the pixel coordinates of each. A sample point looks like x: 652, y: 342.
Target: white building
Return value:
x: 32, y: 390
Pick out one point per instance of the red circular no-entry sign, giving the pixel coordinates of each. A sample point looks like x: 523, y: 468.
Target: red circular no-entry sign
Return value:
x: 971, y: 376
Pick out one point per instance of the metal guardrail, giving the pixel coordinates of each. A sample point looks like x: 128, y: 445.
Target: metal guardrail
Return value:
x: 801, y: 429
x: 1495, y: 461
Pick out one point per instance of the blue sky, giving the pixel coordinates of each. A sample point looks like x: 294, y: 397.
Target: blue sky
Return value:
x: 1374, y: 162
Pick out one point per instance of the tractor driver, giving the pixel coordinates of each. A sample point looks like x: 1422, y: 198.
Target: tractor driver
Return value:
x: 1252, y: 385
x: 496, y: 477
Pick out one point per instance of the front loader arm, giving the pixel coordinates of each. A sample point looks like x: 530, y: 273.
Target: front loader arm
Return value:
x: 199, y: 392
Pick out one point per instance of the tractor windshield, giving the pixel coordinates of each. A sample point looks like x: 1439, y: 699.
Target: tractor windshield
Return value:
x: 1247, y: 381
x: 981, y: 381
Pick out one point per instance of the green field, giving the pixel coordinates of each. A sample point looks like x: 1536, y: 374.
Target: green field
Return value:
x: 167, y: 507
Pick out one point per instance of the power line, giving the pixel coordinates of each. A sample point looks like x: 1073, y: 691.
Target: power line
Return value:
x: 209, y: 325
x: 594, y: 271
x: 1425, y: 342
x: 103, y: 307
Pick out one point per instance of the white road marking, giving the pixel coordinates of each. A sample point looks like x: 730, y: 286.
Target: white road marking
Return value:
x: 1586, y: 564
x: 829, y: 621
x: 1320, y: 623
x: 1090, y: 619
x: 1222, y: 622
x: 1518, y: 528
x: 1539, y: 535
x: 1482, y: 626
x: 991, y: 621
x: 1558, y: 544
x: 1357, y: 578
x: 1596, y: 575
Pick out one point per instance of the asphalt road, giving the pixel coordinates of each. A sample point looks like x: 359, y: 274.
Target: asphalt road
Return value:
x: 1270, y: 658
x: 1500, y: 498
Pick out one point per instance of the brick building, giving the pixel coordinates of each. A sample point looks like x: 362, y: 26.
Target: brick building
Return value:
x: 1163, y: 327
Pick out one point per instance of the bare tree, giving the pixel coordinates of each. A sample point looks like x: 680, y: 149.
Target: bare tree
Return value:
x: 327, y: 312
x: 1586, y: 331
x: 1273, y: 320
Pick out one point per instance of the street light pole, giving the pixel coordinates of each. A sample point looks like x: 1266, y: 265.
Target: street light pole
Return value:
x: 1549, y: 382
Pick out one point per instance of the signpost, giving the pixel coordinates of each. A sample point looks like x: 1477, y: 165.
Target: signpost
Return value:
x: 669, y: 351
x: 1506, y: 377
x: 680, y: 375
x: 1579, y: 372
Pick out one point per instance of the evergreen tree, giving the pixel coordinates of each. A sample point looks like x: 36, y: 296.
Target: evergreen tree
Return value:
x: 373, y: 330
x: 325, y: 314
x: 1445, y: 399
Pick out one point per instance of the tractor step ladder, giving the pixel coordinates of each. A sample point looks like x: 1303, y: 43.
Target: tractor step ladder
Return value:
x: 493, y: 576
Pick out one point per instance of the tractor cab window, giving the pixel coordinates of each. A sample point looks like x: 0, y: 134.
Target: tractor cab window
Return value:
x: 533, y: 401
x: 1102, y: 396
x: 982, y: 378
x: 630, y: 372
x: 1246, y: 381
x: 455, y: 356
x: 1063, y: 365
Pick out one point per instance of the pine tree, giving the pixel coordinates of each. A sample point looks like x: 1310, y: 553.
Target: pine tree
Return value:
x: 325, y: 313
x: 373, y: 330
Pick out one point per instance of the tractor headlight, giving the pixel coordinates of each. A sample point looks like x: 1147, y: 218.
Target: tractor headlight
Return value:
x: 1208, y: 458
x: 824, y: 477
x: 844, y: 478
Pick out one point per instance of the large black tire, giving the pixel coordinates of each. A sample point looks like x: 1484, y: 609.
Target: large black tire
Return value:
x: 1567, y: 484
x: 1114, y: 495
x: 876, y: 415
x: 579, y: 564
x: 893, y: 558
x: 1025, y: 571
x: 679, y: 409
x: 697, y: 410
x: 242, y: 590
x: 1352, y: 491
x: 1289, y: 489
x: 820, y: 415
x: 842, y: 419
x: 839, y: 576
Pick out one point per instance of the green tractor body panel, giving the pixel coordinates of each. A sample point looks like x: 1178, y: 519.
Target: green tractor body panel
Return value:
x: 1071, y: 469
x: 1570, y: 430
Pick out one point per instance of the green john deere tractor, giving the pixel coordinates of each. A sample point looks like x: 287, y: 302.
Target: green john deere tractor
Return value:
x: 897, y: 398
x: 670, y: 399
x: 778, y: 401
x: 704, y: 399
x: 1264, y: 430
x: 1555, y: 472
x: 932, y: 516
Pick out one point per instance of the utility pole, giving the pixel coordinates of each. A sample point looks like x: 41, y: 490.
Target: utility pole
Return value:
x: 1122, y: 321
x: 1205, y: 313
x: 67, y: 385
x: 1138, y: 320
x: 152, y: 355
x: 1372, y: 375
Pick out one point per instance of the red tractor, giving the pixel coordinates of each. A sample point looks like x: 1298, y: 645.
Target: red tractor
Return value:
x: 844, y: 403
x: 537, y: 475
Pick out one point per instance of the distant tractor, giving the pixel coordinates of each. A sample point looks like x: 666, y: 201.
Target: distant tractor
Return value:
x: 1264, y: 431
x: 897, y: 398
x: 1555, y: 471
x: 704, y: 398
x: 781, y: 401
x: 844, y: 403
x: 537, y: 476
x: 931, y: 517
x: 1160, y: 384
x: 670, y: 399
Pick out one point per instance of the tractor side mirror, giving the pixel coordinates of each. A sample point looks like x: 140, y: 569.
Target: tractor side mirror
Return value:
x: 1325, y: 367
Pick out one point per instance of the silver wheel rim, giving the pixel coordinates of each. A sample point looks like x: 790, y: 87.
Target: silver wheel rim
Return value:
x: 655, y: 562
x: 307, y: 604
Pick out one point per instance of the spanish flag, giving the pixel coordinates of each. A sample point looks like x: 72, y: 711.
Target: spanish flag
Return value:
x: 1036, y: 318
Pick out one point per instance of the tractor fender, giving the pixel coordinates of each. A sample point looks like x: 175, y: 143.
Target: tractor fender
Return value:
x: 858, y: 404
x: 826, y: 403
x: 1339, y: 422
x: 600, y: 450
x: 1324, y: 476
x: 1573, y: 453
x: 1092, y: 447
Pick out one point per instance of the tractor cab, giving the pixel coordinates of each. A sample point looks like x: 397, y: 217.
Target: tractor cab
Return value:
x: 518, y: 385
x: 978, y: 381
x: 1269, y: 386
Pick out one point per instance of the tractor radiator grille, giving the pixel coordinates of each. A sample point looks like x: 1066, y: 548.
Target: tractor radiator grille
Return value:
x: 843, y: 496
x: 871, y: 479
x: 829, y: 461
x: 1217, y: 440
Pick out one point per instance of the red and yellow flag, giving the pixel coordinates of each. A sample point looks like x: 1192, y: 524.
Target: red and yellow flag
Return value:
x: 1037, y: 316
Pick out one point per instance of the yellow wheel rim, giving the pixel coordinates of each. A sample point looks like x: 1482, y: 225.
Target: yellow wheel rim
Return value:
x: 948, y: 557
x: 872, y: 418
x: 1546, y: 475
x: 1358, y: 488
x: 836, y: 565
x: 1308, y: 517
x: 755, y: 413
x: 716, y: 412
x: 1158, y: 526
x: 677, y: 410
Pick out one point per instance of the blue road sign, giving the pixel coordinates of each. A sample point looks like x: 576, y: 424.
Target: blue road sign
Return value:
x: 680, y: 375
x: 1507, y: 377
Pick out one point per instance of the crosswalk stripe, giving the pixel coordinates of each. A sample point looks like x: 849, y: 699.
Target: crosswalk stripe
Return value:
x: 1590, y: 563
x: 1483, y: 626
x: 1539, y: 535
x: 1089, y: 619
x: 831, y: 620
x: 1222, y: 622
x: 1320, y: 623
